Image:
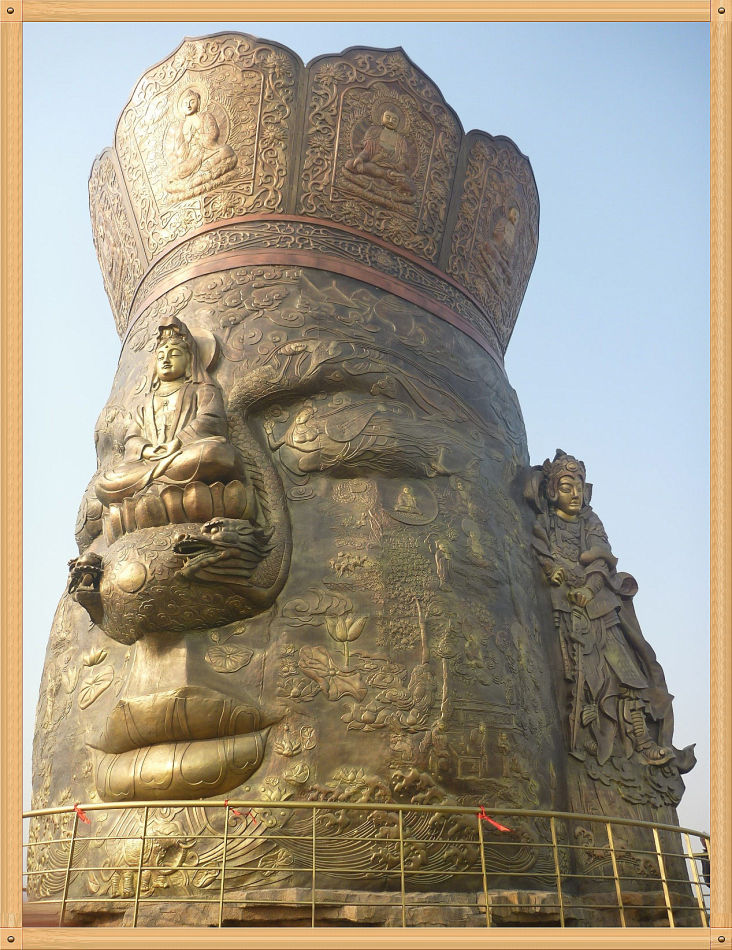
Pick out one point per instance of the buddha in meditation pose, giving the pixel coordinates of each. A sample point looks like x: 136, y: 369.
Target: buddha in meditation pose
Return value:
x: 178, y: 434
x: 497, y: 252
x: 193, y: 153
x: 406, y: 501
x: 385, y: 156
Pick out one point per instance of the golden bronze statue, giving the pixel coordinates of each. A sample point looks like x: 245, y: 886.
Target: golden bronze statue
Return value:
x: 178, y: 433
x: 620, y: 704
x: 305, y: 569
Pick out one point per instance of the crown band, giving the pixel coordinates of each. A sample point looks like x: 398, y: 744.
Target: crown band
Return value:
x: 307, y: 242
x: 232, y: 144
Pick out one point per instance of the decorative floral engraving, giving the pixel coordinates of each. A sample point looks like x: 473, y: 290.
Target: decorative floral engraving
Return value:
x: 228, y: 658
x: 343, y: 248
x: 120, y: 258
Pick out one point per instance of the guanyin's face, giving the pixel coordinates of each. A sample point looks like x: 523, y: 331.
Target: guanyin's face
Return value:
x: 172, y: 360
x: 347, y: 555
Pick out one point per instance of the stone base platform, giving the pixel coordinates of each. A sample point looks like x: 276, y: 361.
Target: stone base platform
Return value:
x: 292, y: 907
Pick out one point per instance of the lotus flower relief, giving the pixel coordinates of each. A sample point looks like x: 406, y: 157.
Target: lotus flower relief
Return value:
x: 94, y: 684
x: 228, y: 657
x: 345, y: 629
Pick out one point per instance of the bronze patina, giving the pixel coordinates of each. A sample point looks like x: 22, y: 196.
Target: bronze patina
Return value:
x: 314, y: 562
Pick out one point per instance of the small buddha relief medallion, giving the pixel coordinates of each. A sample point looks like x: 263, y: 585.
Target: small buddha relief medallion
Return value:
x: 410, y: 502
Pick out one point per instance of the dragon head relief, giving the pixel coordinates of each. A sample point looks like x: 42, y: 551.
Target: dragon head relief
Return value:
x: 211, y: 574
x: 223, y: 550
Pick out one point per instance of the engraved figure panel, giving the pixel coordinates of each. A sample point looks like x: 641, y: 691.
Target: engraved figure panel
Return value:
x: 207, y: 136
x: 381, y: 147
x: 496, y: 231
x: 194, y: 147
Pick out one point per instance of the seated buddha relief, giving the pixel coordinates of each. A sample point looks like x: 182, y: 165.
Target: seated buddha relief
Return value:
x: 177, y: 434
x: 193, y: 153
x: 385, y: 159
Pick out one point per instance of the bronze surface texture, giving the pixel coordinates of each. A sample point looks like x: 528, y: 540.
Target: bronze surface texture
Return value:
x: 314, y: 564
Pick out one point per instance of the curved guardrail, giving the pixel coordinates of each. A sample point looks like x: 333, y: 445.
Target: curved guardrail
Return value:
x: 671, y: 886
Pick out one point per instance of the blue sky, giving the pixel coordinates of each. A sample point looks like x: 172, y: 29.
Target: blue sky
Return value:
x: 610, y: 356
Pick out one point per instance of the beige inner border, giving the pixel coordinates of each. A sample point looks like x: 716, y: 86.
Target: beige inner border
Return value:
x: 12, y: 14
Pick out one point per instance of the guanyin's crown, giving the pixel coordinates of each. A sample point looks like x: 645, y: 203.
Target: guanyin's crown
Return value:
x: 232, y: 152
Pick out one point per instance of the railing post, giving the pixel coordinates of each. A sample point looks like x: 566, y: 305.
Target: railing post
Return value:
x: 401, y: 868
x: 553, y: 824
x: 139, y: 868
x: 616, y: 878
x: 482, y: 868
x: 72, y: 842
x: 699, y: 894
x: 664, y: 883
x: 223, y: 865
x: 312, y: 893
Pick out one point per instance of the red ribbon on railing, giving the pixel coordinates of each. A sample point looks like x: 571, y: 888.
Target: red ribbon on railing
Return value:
x: 234, y: 811
x: 237, y: 814
x: 81, y: 814
x: 483, y: 817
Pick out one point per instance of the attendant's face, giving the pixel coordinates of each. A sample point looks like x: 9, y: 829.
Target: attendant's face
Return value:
x: 172, y: 361
x: 570, y: 492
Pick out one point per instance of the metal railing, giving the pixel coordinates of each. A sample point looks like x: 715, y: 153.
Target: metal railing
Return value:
x: 582, y: 870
